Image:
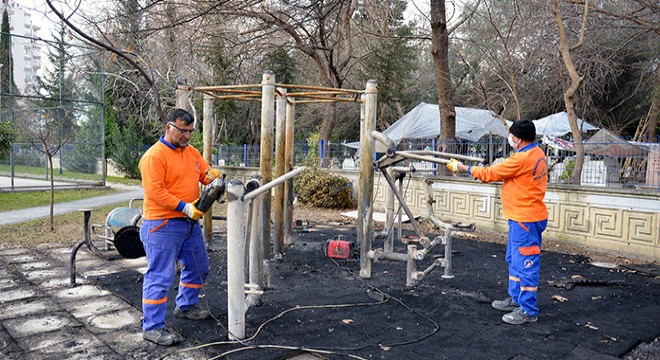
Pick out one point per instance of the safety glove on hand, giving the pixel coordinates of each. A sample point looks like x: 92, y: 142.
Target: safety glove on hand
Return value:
x: 453, y: 165
x: 212, y: 174
x: 191, y: 211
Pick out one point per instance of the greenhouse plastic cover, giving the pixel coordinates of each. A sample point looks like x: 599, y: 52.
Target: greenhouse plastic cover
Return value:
x: 557, y: 125
x: 423, y: 122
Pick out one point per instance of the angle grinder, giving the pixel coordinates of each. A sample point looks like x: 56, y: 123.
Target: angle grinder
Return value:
x: 212, y: 192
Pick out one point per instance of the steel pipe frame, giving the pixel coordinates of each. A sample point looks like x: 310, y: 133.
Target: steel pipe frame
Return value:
x: 236, y: 234
x: 422, y: 238
x: 444, y: 154
x: 275, y: 182
x: 385, y: 166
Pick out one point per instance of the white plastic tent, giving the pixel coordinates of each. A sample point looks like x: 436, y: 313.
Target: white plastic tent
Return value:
x: 423, y: 122
x: 557, y: 125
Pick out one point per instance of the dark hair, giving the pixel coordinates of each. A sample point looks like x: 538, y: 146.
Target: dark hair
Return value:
x: 177, y: 113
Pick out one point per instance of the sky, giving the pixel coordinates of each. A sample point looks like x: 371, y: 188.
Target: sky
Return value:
x: 42, y: 15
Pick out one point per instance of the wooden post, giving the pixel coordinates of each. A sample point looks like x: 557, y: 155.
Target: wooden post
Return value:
x: 288, y: 163
x: 366, y: 181
x: 208, y: 156
x: 182, y: 99
x: 280, y: 138
x: 266, y: 159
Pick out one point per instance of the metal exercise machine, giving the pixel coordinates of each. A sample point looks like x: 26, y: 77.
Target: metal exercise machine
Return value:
x: 392, y: 174
x: 120, y: 231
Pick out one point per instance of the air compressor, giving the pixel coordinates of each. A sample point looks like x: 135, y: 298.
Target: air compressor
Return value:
x: 337, y: 248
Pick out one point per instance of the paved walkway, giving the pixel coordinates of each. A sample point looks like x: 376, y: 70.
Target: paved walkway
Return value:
x: 17, y: 216
x: 43, y: 317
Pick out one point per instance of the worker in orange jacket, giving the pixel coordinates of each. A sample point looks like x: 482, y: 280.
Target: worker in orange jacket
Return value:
x: 524, y: 182
x: 171, y: 173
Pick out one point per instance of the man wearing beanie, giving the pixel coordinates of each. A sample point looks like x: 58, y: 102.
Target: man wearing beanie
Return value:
x: 524, y: 182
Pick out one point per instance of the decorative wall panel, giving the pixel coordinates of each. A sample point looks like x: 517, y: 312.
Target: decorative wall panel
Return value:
x: 573, y: 218
x: 639, y: 227
x: 606, y: 222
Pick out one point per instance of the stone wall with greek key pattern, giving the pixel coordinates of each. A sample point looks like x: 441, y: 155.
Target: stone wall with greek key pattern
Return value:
x: 622, y: 221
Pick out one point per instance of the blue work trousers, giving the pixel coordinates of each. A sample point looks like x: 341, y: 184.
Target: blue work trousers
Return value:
x: 164, y: 242
x: 523, y: 254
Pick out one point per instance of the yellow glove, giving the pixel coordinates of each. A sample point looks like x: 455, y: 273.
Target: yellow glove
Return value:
x: 453, y: 165
x: 191, y: 211
x: 212, y: 174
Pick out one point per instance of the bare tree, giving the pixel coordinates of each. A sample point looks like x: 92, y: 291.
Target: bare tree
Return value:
x: 644, y: 14
x: 576, y: 82
x: 319, y: 29
x: 440, y: 47
x: 48, y: 134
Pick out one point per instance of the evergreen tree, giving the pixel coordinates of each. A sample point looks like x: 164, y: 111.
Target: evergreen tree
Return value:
x: 58, y: 86
x: 6, y: 66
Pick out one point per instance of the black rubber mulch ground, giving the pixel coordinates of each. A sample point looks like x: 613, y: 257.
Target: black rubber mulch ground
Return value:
x: 438, y: 319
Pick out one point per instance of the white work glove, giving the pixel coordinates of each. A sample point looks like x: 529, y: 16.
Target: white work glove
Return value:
x: 191, y: 211
x: 453, y: 165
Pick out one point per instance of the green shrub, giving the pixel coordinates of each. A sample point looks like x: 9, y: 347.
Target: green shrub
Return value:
x: 568, y: 172
x: 7, y: 137
x: 323, y: 189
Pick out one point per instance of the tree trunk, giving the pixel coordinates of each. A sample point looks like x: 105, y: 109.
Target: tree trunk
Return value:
x: 327, y: 127
x: 576, y: 82
x: 440, y: 47
x: 52, y: 192
x: 654, y: 113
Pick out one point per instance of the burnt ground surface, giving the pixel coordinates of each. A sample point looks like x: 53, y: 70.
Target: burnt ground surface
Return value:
x: 321, y: 303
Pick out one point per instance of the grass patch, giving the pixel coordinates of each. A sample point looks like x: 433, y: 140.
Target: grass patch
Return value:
x: 124, y: 181
x: 21, y: 200
x: 41, y: 172
x: 68, y: 229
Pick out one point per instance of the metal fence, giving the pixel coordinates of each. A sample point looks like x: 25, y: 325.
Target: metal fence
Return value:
x: 615, y: 164
x: 56, y: 110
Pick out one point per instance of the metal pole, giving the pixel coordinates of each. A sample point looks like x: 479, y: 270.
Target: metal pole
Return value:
x: 410, y: 266
x: 280, y: 144
x: 208, y: 154
x: 399, y: 231
x: 389, y: 217
x: 266, y: 160
x: 275, y: 182
x: 235, y: 260
x: 288, y: 163
x: 256, y: 251
x: 366, y: 181
x: 448, y: 247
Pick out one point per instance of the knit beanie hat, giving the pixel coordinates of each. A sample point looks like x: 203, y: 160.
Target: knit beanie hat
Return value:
x: 524, y: 129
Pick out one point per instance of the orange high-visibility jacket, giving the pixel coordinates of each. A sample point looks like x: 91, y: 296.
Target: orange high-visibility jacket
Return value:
x: 525, y: 180
x: 170, y: 179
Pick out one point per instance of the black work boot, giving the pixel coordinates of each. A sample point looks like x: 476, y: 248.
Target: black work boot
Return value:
x: 162, y: 337
x: 505, y: 305
x: 193, y: 312
x: 518, y: 317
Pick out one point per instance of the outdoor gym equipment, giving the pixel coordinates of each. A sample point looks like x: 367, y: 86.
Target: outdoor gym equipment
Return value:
x: 392, y: 174
x: 120, y: 231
